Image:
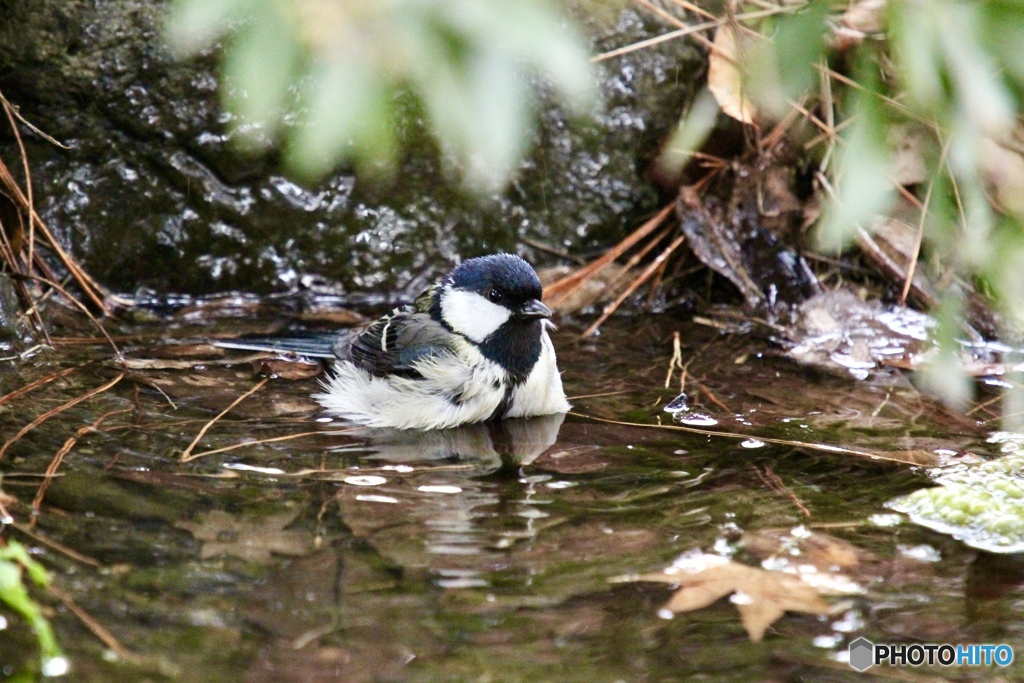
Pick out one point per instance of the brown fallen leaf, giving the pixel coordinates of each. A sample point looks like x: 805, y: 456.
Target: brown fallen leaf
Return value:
x: 288, y: 368
x: 724, y: 78
x: 825, y: 552
x: 761, y: 596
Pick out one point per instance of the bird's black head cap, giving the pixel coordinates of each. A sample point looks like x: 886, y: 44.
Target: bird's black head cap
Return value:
x: 504, y: 278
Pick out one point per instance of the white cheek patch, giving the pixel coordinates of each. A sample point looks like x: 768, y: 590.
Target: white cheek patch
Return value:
x: 470, y: 314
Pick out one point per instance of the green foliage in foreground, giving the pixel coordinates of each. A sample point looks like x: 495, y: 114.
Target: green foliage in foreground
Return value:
x: 14, y: 564
x: 952, y: 68
x: 324, y: 75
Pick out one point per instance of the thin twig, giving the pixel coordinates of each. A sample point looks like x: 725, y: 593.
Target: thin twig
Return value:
x: 781, y: 128
x: 775, y: 483
x: 604, y: 393
x: 983, y: 405
x: 97, y: 629
x: 637, y: 257
x: 672, y: 35
x: 690, y: 7
x: 21, y: 391
x: 59, y: 547
x: 676, y: 362
x: 656, y: 40
x: 642, y: 278
x: 258, y: 442
x: 912, y: 266
x: 557, y: 292
x: 659, y: 279
x: 682, y: 25
x: 825, y: 448
x: 58, y: 458
x: 88, y: 285
x: 34, y: 128
x: 547, y: 248
x: 706, y: 393
x: 50, y: 413
x: 187, y: 453
x: 82, y: 307
x: 28, y: 176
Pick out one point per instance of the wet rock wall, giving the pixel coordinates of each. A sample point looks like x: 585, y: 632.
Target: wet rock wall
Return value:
x: 151, y: 195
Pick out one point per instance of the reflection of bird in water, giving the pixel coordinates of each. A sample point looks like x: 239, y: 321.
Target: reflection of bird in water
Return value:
x: 486, y: 446
x: 435, y: 507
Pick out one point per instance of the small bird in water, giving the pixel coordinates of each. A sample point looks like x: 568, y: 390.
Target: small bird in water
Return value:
x: 472, y: 347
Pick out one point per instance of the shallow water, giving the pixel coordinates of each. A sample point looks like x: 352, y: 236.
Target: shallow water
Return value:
x: 486, y: 553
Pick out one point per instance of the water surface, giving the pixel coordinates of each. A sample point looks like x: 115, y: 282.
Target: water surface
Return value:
x: 485, y: 553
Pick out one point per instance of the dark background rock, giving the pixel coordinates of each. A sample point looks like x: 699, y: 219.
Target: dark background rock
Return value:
x: 151, y: 194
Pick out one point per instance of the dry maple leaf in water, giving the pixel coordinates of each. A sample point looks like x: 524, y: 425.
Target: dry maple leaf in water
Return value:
x: 761, y: 596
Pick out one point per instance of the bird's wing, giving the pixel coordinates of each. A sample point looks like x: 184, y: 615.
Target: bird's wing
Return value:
x: 393, y: 344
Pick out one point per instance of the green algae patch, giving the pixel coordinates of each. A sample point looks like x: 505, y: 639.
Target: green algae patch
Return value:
x: 981, y: 505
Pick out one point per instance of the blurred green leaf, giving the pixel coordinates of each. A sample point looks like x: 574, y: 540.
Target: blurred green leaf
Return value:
x: 1002, y: 31
x: 978, y: 86
x: 14, y: 562
x: 782, y: 69
x: 915, y: 41
x: 497, y: 118
x: 194, y: 24
x: 1004, y: 270
x: 690, y: 134
x: 264, y: 59
x: 864, y: 189
x: 334, y: 68
x: 944, y: 375
x: 348, y: 114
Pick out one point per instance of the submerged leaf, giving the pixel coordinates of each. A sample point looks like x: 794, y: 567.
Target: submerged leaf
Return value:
x: 815, y: 548
x: 252, y: 540
x: 760, y: 596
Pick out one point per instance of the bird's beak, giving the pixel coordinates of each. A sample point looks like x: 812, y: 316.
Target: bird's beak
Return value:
x: 533, y: 309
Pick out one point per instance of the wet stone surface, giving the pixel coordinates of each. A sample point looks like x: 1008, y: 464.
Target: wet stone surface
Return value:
x: 152, y: 194
x: 488, y: 552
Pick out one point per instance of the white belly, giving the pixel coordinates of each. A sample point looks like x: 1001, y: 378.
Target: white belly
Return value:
x: 458, y: 390
x: 455, y: 392
x: 541, y: 393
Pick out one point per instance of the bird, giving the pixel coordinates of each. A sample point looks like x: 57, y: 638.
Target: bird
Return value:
x: 472, y: 347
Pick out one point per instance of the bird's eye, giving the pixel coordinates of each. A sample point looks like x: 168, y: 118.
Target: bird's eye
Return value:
x: 495, y: 295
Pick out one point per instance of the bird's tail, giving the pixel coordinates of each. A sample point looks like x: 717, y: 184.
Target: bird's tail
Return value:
x: 314, y: 345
